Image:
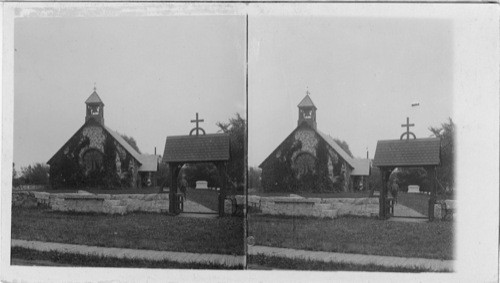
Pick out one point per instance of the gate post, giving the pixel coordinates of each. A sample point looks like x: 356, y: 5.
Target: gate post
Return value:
x: 222, y: 193
x: 432, y: 199
x: 382, y: 196
x: 172, y: 194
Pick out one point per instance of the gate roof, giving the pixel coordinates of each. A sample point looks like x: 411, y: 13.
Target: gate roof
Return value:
x: 202, y: 148
x: 407, y: 153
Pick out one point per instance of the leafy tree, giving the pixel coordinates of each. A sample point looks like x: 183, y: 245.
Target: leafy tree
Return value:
x: 445, y: 172
x: 131, y: 141
x: 16, y: 182
x: 163, y: 175
x: 254, y: 177
x: 38, y: 174
x: 344, y: 146
x: 236, y: 129
x: 200, y: 171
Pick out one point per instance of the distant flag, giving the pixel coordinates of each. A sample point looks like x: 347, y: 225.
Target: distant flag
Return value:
x: 414, y: 104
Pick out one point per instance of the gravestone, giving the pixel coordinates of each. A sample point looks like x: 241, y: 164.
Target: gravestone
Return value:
x: 413, y: 189
x: 201, y: 185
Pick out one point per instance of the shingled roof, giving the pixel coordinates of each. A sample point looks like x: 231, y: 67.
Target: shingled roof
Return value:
x: 210, y: 147
x: 416, y: 152
x: 306, y: 102
x: 93, y: 98
x: 330, y: 141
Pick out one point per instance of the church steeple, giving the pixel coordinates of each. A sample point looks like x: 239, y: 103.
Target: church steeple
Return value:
x: 307, y: 111
x: 94, y: 108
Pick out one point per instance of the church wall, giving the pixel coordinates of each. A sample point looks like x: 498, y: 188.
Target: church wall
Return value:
x: 305, y: 162
x: 118, y: 167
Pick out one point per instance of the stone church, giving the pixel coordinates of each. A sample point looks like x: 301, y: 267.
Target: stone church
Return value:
x: 96, y: 156
x: 309, y: 160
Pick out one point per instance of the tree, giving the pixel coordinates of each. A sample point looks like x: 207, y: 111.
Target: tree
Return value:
x: 236, y: 129
x: 254, y: 177
x: 15, y: 180
x: 344, y: 146
x: 131, y: 141
x: 445, y: 172
x: 37, y: 174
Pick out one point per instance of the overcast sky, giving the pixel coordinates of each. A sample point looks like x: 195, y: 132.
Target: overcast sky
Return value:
x: 152, y: 73
x: 363, y: 75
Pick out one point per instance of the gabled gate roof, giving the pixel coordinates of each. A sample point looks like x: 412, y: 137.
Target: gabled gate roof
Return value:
x: 416, y: 152
x: 407, y: 153
x: 202, y: 148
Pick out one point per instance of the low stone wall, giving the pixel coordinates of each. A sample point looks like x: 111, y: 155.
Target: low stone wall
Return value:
x: 315, y: 207
x: 98, y: 203
x: 439, y: 209
x: 28, y: 187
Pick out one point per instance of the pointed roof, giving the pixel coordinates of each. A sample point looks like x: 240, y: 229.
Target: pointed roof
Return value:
x: 203, y: 148
x: 147, y: 162
x: 410, y: 153
x: 306, y: 102
x: 94, y: 98
x: 328, y: 139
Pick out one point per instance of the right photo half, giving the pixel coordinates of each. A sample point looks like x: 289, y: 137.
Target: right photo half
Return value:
x: 351, y: 144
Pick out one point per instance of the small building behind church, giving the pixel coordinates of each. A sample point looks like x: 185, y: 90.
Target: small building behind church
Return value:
x: 309, y: 160
x: 97, y: 156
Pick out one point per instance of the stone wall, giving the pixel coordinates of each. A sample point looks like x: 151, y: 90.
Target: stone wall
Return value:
x: 315, y: 207
x: 97, y: 203
x: 439, y: 209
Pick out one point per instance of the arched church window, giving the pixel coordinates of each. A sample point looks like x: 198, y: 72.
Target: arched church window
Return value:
x: 303, y: 164
x: 92, y: 160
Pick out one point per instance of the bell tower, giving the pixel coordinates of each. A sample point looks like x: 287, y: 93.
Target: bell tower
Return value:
x: 94, y: 108
x: 307, y: 111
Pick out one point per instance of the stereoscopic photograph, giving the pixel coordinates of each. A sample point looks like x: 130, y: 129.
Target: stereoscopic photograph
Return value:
x: 129, y: 142
x: 355, y: 165
x: 249, y: 142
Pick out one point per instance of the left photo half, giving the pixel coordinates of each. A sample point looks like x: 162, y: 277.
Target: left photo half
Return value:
x: 129, y: 136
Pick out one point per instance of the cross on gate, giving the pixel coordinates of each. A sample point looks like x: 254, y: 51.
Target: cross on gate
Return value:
x: 197, y: 128
x: 407, y: 133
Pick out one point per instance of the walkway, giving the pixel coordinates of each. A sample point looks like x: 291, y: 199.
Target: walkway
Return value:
x: 191, y: 206
x: 404, y: 211
x: 225, y: 260
x: 387, y: 261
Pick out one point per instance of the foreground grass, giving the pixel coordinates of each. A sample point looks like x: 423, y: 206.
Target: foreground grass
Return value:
x: 316, y: 195
x: 274, y: 262
x: 135, y: 231
x: 151, y: 190
x: 74, y: 259
x: 355, y: 235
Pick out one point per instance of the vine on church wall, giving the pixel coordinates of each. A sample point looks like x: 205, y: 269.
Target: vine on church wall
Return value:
x: 67, y: 169
x: 282, y: 173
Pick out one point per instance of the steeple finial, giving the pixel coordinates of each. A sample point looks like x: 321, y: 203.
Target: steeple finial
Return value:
x: 95, y: 87
x: 307, y: 90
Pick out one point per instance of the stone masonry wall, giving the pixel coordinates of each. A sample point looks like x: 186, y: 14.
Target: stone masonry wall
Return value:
x: 98, y: 203
x: 315, y: 207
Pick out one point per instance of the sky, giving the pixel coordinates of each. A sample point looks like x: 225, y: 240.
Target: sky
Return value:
x: 152, y: 73
x: 363, y: 74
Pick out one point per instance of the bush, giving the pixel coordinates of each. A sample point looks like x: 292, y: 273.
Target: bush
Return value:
x: 37, y: 174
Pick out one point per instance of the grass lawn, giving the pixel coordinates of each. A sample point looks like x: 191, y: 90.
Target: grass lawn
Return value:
x: 153, y: 190
x: 207, y: 198
x: 355, y: 235
x: 136, y: 231
x: 23, y: 256
x: 273, y: 262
